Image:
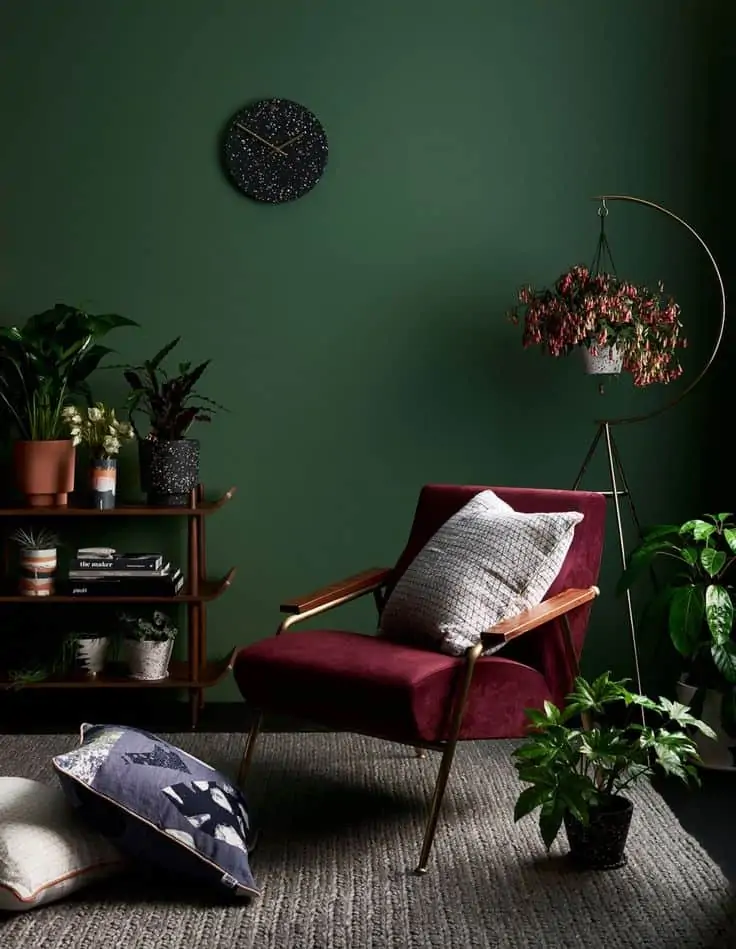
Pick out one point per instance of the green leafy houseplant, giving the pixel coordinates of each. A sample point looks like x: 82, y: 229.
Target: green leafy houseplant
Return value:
x: 171, y: 402
x: 46, y: 362
x: 698, y: 600
x: 576, y: 774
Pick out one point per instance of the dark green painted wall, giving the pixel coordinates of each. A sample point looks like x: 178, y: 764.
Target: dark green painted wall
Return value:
x: 358, y: 334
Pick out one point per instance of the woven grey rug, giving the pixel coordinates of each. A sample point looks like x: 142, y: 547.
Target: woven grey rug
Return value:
x: 341, y: 821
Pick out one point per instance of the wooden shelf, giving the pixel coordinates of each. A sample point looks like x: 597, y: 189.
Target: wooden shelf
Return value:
x: 208, y: 590
x: 200, y: 509
x: 179, y: 678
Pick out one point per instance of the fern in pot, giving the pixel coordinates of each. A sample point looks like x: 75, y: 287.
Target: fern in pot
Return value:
x: 169, y: 459
x: 148, y: 644
x: 696, y: 602
x: 580, y: 777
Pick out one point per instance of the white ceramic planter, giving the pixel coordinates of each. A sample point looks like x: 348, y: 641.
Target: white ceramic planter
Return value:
x: 605, y: 361
x: 37, y: 569
x: 718, y: 755
x: 91, y: 654
x: 148, y: 660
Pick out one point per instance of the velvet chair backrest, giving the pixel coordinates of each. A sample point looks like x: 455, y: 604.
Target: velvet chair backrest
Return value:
x: 542, y: 648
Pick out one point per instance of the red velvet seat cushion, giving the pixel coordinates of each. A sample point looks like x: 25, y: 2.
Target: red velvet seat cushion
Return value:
x: 373, y: 685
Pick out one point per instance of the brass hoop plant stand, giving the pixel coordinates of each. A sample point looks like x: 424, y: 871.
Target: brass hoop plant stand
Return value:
x: 619, y: 487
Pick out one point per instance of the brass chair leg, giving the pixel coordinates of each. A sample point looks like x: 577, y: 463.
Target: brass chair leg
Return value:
x: 434, y: 808
x: 250, y: 744
x: 420, y: 752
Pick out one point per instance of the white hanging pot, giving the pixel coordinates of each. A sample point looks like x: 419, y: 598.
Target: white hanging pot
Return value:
x: 148, y: 659
x: 602, y: 360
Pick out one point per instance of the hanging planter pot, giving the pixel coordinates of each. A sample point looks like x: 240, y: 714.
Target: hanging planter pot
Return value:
x: 169, y: 470
x: 103, y: 481
x: 44, y: 471
x: 602, y: 360
x: 600, y: 844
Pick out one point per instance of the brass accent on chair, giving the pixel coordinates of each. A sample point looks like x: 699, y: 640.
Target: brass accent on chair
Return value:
x: 373, y: 581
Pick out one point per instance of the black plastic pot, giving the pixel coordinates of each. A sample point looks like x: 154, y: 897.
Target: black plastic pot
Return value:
x: 169, y: 470
x: 600, y: 844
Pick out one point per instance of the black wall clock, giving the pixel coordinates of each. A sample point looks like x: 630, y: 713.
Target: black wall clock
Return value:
x: 275, y: 150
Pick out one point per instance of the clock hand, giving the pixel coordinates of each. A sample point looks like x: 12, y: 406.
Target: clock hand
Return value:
x: 276, y: 148
x: 292, y: 140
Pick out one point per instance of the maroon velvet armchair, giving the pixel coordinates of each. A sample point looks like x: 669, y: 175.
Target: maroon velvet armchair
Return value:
x: 376, y: 686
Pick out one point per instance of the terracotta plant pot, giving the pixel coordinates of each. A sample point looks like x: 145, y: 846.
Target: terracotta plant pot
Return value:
x: 600, y: 844
x: 44, y: 471
x: 37, y: 569
x: 103, y: 480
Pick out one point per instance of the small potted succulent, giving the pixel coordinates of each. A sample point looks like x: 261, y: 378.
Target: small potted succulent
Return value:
x: 148, y: 644
x: 44, y: 364
x: 616, y: 324
x: 98, y: 428
x: 578, y: 776
x: 169, y: 459
x: 37, y: 560
x: 696, y: 602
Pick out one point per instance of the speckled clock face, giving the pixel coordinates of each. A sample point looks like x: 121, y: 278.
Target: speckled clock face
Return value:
x: 275, y: 150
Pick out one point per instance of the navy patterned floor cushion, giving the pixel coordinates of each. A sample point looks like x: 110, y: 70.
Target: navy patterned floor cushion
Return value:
x: 160, y: 804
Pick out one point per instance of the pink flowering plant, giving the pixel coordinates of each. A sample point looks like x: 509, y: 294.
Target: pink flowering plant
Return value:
x: 597, y: 310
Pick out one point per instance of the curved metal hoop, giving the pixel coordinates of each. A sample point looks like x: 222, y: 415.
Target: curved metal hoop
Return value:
x: 623, y: 420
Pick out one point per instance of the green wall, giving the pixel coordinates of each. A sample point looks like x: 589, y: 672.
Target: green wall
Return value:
x: 358, y: 335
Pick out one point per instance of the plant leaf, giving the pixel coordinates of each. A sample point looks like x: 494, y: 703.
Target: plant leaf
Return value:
x: 700, y: 529
x: 718, y: 612
x: 530, y: 799
x: 686, y: 617
x: 712, y: 560
x: 724, y: 656
x: 729, y: 535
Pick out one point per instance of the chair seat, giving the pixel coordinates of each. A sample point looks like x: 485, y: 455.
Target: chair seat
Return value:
x: 380, y: 687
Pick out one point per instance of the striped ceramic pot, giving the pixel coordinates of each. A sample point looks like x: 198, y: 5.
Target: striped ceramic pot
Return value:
x: 37, y: 569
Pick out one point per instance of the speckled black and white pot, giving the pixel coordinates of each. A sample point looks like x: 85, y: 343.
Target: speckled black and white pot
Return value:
x: 169, y: 470
x: 600, y: 844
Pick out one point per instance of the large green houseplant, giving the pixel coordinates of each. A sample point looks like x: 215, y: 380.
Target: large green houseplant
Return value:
x: 43, y: 365
x: 171, y: 403
x: 696, y: 598
x: 578, y: 776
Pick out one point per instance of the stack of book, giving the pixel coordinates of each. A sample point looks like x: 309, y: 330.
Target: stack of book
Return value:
x: 102, y: 571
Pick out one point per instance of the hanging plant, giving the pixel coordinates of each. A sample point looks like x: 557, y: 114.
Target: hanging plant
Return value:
x: 598, y: 310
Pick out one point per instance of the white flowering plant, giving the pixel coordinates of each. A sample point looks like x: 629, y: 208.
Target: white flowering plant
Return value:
x: 98, y: 428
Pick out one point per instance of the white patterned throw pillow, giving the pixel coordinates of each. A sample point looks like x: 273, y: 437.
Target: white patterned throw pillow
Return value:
x: 46, y: 852
x: 485, y: 564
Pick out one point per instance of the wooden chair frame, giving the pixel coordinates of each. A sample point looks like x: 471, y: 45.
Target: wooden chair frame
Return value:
x: 374, y: 581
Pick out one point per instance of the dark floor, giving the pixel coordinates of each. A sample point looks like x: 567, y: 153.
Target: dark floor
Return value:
x: 708, y: 813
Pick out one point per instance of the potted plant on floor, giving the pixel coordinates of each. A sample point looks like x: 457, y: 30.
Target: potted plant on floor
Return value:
x: 37, y: 560
x: 43, y: 365
x: 169, y: 460
x: 697, y: 599
x: 616, y: 324
x: 578, y: 777
x: 98, y: 428
x: 148, y: 644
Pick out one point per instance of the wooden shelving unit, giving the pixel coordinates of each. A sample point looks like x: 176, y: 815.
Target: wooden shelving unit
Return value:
x: 195, y: 673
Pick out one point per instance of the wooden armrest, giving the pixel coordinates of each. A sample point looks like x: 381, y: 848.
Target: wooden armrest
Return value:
x: 538, y: 615
x: 347, y: 589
